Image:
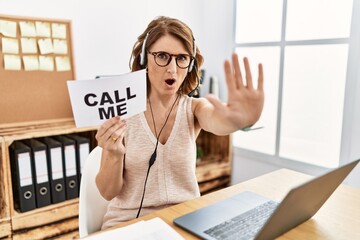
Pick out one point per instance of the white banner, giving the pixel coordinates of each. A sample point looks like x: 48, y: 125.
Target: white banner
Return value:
x: 96, y: 100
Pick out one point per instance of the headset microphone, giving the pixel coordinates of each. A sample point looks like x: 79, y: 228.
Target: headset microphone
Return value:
x: 154, y: 154
x: 153, y: 157
x: 192, y: 92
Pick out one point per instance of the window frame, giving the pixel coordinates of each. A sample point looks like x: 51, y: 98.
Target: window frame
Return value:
x: 352, y: 75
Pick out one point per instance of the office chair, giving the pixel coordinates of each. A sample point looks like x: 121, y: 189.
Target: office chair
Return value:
x: 92, y: 206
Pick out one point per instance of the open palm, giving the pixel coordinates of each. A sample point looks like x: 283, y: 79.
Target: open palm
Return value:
x: 245, y: 103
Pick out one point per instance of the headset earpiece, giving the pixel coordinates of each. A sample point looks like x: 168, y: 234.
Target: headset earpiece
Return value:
x: 191, y: 65
x: 143, y: 52
x: 194, y: 55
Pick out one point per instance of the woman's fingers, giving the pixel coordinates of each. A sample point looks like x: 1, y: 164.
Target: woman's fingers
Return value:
x: 249, y: 83
x: 110, y: 130
x: 229, y: 77
x: 106, y: 125
x: 114, y: 131
x: 119, y: 134
x: 261, y: 77
x: 234, y: 78
x: 237, y: 72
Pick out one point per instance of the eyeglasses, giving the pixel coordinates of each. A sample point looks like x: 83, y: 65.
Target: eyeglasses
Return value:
x: 163, y: 59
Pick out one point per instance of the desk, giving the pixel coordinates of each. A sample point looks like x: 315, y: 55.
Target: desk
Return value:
x: 338, y: 218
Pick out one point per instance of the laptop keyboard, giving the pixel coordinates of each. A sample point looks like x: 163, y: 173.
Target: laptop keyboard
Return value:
x: 244, y: 226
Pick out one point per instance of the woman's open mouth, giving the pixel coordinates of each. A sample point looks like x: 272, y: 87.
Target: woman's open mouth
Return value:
x: 170, y: 82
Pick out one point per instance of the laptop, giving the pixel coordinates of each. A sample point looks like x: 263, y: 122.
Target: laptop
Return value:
x: 251, y: 216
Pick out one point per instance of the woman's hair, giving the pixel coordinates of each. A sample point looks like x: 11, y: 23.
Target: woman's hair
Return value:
x: 160, y: 27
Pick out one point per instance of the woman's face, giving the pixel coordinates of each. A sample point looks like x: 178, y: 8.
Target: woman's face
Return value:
x: 167, y: 80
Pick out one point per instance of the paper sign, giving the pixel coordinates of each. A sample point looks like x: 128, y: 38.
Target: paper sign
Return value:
x: 43, y: 29
x: 10, y: 45
x: 60, y: 46
x: 45, y: 46
x: 152, y: 229
x: 28, y: 45
x: 58, y: 30
x: 94, y: 101
x: 31, y: 63
x: 8, y: 28
x: 27, y: 29
x: 46, y: 63
x: 62, y: 64
x: 12, y: 62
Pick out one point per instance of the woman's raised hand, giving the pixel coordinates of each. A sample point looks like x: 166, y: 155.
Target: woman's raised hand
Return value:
x: 245, y: 103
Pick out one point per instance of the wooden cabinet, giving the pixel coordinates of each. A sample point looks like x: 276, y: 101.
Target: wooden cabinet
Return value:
x: 41, y: 223
x: 213, y: 168
x: 5, y: 224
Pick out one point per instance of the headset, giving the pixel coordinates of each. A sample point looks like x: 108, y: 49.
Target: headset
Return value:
x: 142, y: 61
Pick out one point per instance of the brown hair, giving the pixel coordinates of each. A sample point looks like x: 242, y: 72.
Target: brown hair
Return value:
x: 159, y: 27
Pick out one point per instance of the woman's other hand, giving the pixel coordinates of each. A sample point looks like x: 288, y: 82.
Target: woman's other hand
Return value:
x: 111, y: 134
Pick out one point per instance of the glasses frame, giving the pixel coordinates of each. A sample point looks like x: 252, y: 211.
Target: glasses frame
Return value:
x: 170, y: 59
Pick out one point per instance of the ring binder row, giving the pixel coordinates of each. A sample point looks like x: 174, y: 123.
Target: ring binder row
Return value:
x: 47, y: 170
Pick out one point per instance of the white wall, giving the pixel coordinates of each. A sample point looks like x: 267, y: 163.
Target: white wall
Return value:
x: 103, y: 32
x: 217, y: 40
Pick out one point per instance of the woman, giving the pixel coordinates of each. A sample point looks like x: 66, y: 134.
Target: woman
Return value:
x: 148, y: 161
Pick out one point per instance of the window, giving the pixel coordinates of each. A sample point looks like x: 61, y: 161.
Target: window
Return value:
x: 304, y: 47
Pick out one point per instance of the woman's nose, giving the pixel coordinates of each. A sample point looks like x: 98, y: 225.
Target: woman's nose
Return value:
x: 172, y: 67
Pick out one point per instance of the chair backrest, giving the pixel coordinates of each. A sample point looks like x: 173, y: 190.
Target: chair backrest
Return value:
x: 92, y: 206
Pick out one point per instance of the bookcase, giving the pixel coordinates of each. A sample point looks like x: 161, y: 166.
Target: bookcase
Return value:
x: 214, y: 161
x: 55, y: 220
x: 34, y: 103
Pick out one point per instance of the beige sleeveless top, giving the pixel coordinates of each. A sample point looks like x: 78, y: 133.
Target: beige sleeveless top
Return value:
x: 171, y: 179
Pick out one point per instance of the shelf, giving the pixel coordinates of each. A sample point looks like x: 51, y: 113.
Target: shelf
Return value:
x: 213, y: 185
x: 213, y: 168
x: 42, y: 223
x: 28, y: 127
x: 67, y: 229
x: 45, y: 215
x: 40, y: 129
x: 5, y: 228
x: 211, y: 171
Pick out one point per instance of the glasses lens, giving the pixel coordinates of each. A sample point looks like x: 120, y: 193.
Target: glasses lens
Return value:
x: 162, y: 58
x: 183, y: 61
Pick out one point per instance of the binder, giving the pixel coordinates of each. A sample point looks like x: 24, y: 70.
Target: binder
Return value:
x: 82, y: 151
x: 55, y: 169
x: 69, y: 163
x: 22, y: 177
x: 40, y: 170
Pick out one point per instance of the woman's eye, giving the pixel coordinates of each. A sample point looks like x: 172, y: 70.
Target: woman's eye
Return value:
x: 182, y: 58
x: 163, y: 56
